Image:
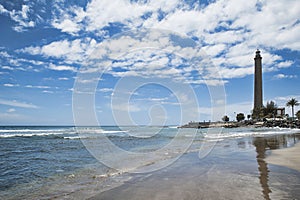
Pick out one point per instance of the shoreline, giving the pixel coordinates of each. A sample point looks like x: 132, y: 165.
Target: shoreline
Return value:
x: 235, y: 168
x: 269, y: 123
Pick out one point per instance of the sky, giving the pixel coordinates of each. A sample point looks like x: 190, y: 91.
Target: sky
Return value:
x: 143, y: 62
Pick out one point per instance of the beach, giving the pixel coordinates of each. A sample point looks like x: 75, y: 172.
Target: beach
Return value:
x: 289, y: 157
x: 238, y: 163
x: 233, y: 170
x: 234, y: 173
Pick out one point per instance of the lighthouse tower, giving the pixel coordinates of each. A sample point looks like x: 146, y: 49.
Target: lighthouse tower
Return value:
x: 258, y: 91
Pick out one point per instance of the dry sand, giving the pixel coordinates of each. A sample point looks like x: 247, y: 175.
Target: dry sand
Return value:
x: 289, y: 157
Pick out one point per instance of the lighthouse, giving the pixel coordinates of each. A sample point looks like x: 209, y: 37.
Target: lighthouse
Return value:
x: 258, y: 90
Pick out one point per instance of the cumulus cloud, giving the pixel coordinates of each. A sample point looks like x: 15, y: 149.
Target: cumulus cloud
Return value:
x: 228, y: 31
x: 70, y: 51
x: 100, y: 13
x: 20, y: 17
x: 67, y: 26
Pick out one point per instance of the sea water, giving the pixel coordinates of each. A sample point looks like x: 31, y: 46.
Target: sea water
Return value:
x: 39, y: 162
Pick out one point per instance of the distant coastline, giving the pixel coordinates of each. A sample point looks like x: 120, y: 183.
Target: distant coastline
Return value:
x: 282, y: 123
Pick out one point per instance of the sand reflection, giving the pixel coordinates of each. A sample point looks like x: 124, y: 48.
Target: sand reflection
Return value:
x: 263, y: 144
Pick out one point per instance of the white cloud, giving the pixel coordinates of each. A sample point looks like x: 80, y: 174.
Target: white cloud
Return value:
x: 37, y: 86
x: 21, y: 17
x: 225, y: 37
x: 63, y: 79
x: 4, y: 54
x: 62, y: 68
x: 11, y: 110
x: 214, y: 50
x: 106, y: 90
x: 66, y: 25
x: 284, y: 99
x: 100, y: 13
x: 48, y: 91
x: 71, y: 51
x: 285, y: 64
x: 7, y: 68
x: 284, y: 76
x: 240, y: 21
x: 62, y: 48
x: 209, y: 82
x: 229, y: 73
x: 279, y: 29
x: 14, y: 62
x: 15, y: 103
x: 10, y: 85
x: 228, y: 30
x: 2, y: 9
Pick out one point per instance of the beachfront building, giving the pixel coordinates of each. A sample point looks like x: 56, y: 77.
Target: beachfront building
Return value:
x: 258, y: 92
x: 280, y: 112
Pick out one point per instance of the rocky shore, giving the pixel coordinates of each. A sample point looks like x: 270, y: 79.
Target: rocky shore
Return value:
x: 264, y: 123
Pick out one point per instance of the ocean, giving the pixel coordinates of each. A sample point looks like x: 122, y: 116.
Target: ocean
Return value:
x: 41, y: 162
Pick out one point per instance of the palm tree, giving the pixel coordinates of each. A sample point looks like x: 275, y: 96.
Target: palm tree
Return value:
x: 291, y: 103
x: 271, y: 109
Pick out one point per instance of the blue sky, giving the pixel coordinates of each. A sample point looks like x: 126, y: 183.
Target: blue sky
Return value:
x: 143, y: 62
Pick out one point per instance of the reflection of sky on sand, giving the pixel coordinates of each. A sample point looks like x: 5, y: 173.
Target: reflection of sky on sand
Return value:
x: 262, y: 145
x: 235, y: 169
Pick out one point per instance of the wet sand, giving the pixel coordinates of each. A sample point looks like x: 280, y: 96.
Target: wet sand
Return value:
x: 289, y: 157
x: 235, y: 169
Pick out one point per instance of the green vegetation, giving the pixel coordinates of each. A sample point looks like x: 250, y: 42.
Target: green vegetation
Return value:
x: 258, y: 113
x: 225, y: 118
x: 270, y: 110
x: 298, y: 114
x: 240, y: 117
x: 248, y: 117
x: 292, y: 103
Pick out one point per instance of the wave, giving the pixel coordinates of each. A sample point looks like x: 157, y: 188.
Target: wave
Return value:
x: 89, y: 136
x: 30, y: 130
x: 91, y: 133
x: 98, y: 130
x: 74, y: 138
x: 108, y: 132
x: 29, y: 134
x: 248, y: 133
x: 8, y: 133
